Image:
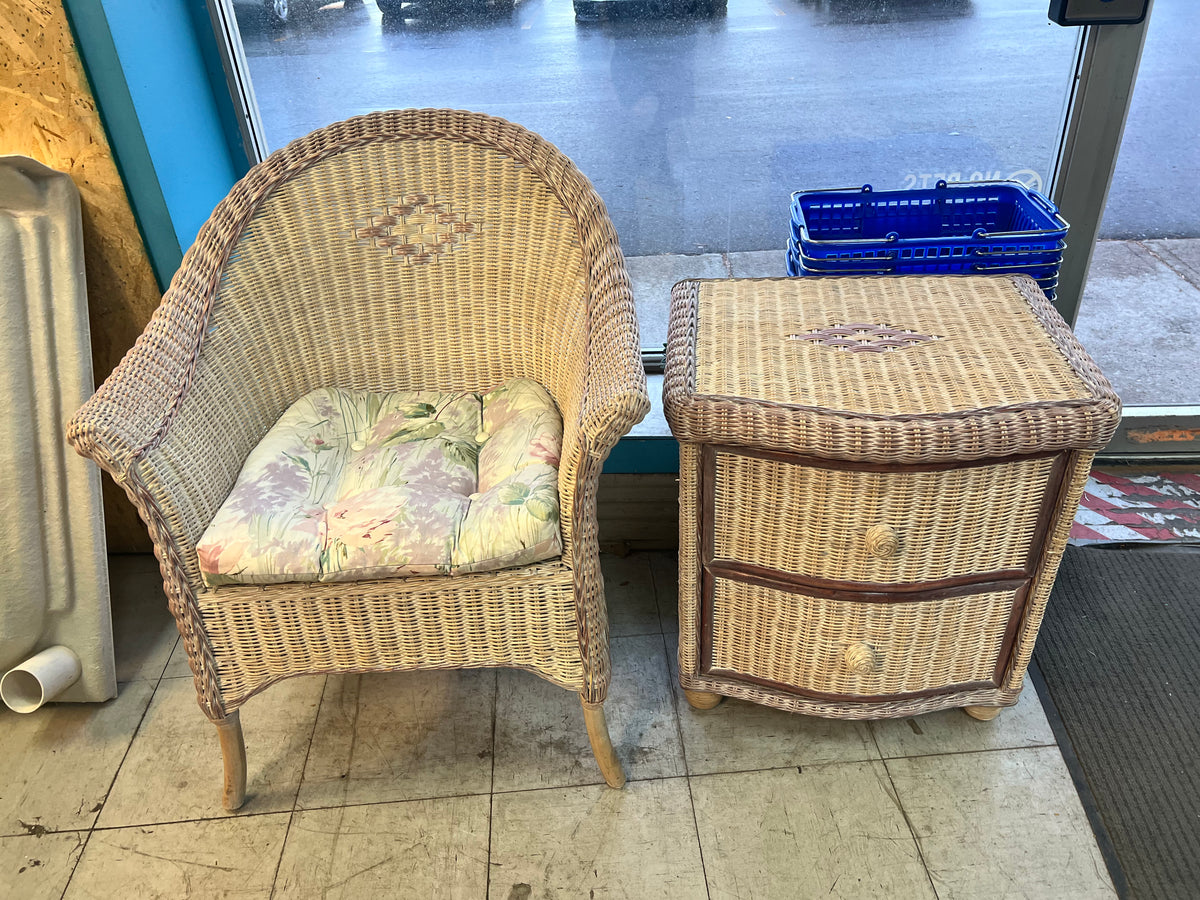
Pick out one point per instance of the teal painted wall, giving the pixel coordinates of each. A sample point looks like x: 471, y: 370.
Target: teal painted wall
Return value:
x: 169, y: 84
x: 166, y: 114
x: 643, y: 456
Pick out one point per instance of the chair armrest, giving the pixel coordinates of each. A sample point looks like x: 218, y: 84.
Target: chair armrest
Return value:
x: 173, y: 433
x: 614, y: 398
x: 134, y: 407
x: 605, y: 396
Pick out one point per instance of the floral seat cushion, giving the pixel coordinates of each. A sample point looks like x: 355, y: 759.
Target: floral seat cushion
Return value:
x: 353, y: 485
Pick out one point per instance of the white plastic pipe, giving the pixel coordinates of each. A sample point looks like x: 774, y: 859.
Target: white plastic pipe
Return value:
x: 39, y: 679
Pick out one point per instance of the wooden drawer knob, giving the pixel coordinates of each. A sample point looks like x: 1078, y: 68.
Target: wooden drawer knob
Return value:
x: 861, y: 659
x: 882, y: 541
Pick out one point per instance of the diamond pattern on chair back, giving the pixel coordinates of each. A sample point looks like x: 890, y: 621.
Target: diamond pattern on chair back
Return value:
x: 399, y: 265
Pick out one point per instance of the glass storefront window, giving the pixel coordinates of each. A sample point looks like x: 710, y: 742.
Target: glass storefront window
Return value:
x: 695, y: 121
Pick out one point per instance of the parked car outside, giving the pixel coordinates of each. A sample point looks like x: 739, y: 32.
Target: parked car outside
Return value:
x: 601, y: 10
x: 399, y: 9
x: 281, y: 12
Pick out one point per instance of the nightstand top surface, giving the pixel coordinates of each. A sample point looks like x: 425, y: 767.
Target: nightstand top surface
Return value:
x: 882, y: 368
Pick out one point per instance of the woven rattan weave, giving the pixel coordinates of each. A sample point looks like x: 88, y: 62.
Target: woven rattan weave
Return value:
x: 404, y: 250
x: 877, y: 479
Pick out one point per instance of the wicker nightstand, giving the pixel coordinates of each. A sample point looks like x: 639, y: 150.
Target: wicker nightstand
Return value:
x: 877, y: 479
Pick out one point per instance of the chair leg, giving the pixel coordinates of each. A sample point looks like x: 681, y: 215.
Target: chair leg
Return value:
x: 602, y: 748
x: 233, y: 752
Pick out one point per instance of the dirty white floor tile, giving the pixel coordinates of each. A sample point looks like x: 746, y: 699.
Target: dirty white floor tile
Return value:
x: 1002, y: 823
x: 177, y: 665
x: 144, y: 632
x: 214, y: 858
x: 401, y: 736
x: 38, y: 867
x: 597, y: 843
x: 953, y: 731
x: 629, y: 591
x: 665, y: 568
x: 423, y: 848
x: 541, y: 738
x: 823, y: 831
x: 738, y: 736
x: 174, y: 769
x: 60, y: 761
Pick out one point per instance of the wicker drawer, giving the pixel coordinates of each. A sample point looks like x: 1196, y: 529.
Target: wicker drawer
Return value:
x: 860, y: 650
x: 856, y: 525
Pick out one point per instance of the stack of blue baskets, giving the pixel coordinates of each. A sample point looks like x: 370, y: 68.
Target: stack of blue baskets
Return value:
x: 979, y: 227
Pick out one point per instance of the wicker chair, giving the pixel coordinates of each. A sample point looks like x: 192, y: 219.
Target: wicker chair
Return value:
x: 402, y: 250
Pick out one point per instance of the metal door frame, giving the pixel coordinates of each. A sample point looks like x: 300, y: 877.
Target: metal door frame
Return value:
x: 1102, y: 90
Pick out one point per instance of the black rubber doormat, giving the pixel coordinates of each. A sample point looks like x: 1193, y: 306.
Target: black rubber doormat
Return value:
x: 1119, y: 656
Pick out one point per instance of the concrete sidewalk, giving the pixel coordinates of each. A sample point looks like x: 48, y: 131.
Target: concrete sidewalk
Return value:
x: 1140, y: 316
x: 1140, y: 319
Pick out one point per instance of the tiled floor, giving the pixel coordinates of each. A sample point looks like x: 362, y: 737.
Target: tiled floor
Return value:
x: 481, y: 784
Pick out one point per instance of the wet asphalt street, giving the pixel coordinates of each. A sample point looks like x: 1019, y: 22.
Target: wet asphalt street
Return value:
x: 696, y: 127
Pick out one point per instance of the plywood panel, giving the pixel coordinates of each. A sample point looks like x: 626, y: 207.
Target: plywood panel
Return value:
x: 47, y: 112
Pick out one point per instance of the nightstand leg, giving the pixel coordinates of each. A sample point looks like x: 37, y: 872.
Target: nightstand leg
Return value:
x: 982, y: 713
x: 702, y: 699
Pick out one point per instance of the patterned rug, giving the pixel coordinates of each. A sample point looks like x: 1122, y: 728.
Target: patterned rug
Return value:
x: 1138, y: 507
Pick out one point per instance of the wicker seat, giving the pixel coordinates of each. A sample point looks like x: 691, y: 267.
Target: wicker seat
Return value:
x: 403, y: 250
